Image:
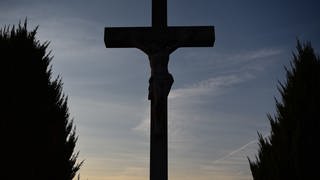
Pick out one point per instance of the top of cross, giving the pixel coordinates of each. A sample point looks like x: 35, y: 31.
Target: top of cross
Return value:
x: 159, y: 13
x: 159, y: 37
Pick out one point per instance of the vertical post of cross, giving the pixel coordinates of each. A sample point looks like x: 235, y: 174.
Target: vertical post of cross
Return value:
x: 159, y: 87
x: 159, y: 14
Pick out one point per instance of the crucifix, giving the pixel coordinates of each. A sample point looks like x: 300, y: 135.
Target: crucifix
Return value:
x: 158, y: 42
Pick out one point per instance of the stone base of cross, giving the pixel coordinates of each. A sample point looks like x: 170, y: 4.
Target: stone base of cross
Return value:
x: 158, y: 42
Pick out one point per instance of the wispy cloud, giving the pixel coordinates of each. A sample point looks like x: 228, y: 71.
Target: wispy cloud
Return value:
x: 185, y: 123
x: 231, y: 58
x: 255, y: 54
x: 212, y: 86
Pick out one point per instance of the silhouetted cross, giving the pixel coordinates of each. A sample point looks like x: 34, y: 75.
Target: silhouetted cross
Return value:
x: 158, y: 42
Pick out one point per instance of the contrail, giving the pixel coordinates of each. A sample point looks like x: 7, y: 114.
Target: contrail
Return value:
x: 238, y: 150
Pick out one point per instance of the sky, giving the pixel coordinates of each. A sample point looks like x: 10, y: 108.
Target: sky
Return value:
x: 219, y: 100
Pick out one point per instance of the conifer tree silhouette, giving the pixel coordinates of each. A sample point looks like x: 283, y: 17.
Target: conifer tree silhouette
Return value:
x: 37, y: 135
x: 292, y: 150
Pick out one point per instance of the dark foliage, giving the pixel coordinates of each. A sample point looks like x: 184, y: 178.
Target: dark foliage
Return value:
x: 37, y: 135
x: 292, y: 150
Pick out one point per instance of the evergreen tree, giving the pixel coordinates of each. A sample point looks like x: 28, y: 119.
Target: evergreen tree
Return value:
x: 36, y: 133
x: 292, y: 150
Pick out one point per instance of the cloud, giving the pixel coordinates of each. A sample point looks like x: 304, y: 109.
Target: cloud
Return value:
x: 179, y: 114
x: 193, y: 129
x: 256, y: 54
x: 230, y: 58
x: 252, y: 60
x: 212, y: 86
x: 144, y: 126
x: 185, y: 125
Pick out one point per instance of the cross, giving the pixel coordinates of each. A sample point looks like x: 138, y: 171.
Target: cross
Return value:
x: 158, y: 42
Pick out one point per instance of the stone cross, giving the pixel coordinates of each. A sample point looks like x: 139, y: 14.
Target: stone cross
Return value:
x: 158, y: 42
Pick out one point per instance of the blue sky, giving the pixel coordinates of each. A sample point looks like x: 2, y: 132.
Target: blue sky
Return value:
x: 217, y: 104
